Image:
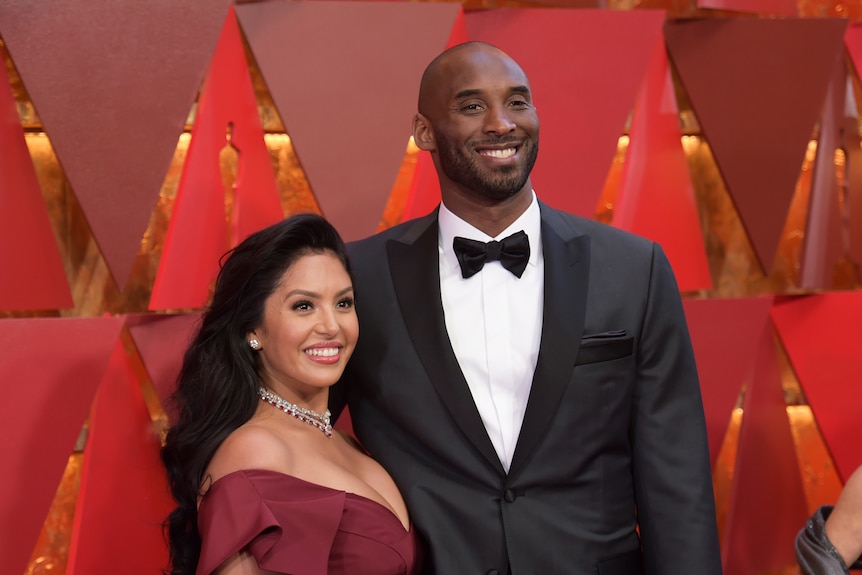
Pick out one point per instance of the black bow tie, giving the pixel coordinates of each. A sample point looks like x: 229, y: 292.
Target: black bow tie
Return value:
x: 513, y: 253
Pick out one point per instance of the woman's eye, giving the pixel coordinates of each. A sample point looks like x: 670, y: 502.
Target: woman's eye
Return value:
x: 346, y: 303
x: 302, y: 306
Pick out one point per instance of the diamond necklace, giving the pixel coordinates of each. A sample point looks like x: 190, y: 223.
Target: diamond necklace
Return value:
x: 318, y: 420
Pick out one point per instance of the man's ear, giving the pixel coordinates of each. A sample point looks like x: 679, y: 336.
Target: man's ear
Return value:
x: 423, y: 133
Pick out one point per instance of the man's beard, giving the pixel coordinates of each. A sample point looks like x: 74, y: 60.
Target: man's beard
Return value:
x: 497, y: 185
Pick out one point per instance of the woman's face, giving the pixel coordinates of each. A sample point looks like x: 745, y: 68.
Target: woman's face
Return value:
x: 309, y: 327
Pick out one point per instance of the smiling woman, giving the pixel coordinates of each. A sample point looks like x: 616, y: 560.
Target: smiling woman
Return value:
x: 260, y: 479
x: 309, y: 328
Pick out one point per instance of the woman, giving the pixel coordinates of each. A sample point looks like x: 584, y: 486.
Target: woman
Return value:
x: 263, y: 484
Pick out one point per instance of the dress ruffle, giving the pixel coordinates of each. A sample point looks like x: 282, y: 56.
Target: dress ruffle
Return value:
x: 814, y: 551
x: 292, y: 526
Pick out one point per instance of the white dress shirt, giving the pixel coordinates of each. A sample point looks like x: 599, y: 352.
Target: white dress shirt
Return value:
x: 494, y: 321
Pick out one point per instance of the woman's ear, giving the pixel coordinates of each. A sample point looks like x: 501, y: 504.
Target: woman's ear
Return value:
x: 423, y: 133
x: 253, y: 340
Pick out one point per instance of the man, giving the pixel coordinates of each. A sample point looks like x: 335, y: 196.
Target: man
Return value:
x: 543, y: 417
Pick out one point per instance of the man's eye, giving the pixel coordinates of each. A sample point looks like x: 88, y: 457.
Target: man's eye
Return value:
x: 472, y: 108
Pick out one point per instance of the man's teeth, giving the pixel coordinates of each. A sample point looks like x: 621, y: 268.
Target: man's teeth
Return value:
x: 323, y: 351
x: 502, y: 154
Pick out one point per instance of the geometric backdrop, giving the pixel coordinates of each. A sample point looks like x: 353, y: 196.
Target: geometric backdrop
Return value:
x: 109, y: 169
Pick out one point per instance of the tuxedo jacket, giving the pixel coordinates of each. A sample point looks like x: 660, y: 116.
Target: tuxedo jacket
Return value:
x: 611, y: 472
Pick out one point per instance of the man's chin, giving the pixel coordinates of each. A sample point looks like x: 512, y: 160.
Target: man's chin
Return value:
x: 500, y: 193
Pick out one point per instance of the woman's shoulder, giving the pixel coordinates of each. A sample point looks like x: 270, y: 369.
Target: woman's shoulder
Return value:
x: 250, y: 446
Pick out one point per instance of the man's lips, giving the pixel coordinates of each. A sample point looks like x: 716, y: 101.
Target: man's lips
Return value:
x: 499, y: 149
x: 500, y: 154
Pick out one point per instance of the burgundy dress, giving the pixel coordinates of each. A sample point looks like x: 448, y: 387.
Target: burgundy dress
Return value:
x: 295, y: 527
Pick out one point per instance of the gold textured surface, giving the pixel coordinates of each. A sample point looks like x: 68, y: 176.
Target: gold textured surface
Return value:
x: 732, y: 263
x: 51, y: 552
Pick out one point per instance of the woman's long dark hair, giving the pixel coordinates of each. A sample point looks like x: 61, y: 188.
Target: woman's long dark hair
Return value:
x: 217, y: 385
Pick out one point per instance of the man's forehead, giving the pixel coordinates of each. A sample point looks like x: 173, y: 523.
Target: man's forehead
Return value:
x: 483, y: 72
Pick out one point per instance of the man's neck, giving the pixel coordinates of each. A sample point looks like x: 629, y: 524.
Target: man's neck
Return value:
x: 489, y: 217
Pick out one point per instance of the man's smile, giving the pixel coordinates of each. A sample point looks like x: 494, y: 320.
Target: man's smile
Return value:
x: 501, y: 154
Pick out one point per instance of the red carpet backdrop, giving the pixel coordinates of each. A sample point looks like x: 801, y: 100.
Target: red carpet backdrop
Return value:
x: 140, y: 141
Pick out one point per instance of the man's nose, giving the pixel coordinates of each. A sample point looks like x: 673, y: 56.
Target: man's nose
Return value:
x: 499, y: 121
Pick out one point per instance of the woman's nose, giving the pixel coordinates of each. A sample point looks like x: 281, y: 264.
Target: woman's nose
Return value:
x: 328, y: 323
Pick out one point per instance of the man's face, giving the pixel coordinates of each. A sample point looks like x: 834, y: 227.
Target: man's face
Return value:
x: 485, y: 126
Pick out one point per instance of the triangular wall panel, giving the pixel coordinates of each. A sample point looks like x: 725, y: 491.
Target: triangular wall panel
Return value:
x: 113, y: 82
x: 50, y: 369
x: 582, y: 107
x: 724, y: 334
x: 345, y: 78
x: 198, y: 234
x: 821, y: 245
x: 821, y: 336
x: 656, y: 195
x: 28, y: 249
x: 853, y: 43
x: 767, y: 501
x: 123, y: 497
x: 738, y: 73
x: 161, y: 341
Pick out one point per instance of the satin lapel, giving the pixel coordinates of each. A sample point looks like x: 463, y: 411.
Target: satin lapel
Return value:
x: 567, y: 259
x: 413, y: 263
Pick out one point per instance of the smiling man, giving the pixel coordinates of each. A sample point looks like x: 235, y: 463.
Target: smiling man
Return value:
x: 524, y: 374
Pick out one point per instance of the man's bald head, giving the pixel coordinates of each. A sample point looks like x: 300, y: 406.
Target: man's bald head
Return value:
x: 448, y: 64
x: 476, y: 118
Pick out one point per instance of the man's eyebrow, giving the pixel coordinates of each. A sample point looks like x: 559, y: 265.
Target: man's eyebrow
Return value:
x: 463, y: 94
x: 467, y: 94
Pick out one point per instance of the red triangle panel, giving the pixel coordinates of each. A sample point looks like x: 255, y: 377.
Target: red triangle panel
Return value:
x: 656, y: 195
x: 767, y: 501
x: 123, y: 497
x: 583, y: 108
x: 822, y: 247
x: 50, y: 369
x: 113, y: 83
x: 821, y: 336
x: 28, y: 249
x: 738, y: 73
x: 197, y: 236
x: 853, y: 43
x: 345, y: 77
x: 722, y: 329
x: 162, y: 341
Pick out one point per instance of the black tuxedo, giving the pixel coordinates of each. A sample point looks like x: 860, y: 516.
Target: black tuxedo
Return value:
x: 613, y: 438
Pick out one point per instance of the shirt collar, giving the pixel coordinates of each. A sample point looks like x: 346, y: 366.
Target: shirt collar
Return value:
x: 451, y: 225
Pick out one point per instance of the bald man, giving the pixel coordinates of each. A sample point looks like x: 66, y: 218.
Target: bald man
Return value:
x: 524, y: 374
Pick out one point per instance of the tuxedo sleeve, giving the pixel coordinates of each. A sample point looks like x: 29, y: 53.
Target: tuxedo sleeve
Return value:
x: 671, y: 467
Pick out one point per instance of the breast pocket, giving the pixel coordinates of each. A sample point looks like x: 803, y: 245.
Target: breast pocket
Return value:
x: 604, y: 346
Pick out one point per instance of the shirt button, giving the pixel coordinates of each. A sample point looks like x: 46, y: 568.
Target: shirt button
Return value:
x: 509, y: 496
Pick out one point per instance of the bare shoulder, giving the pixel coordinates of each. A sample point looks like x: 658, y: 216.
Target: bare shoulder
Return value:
x: 251, y: 446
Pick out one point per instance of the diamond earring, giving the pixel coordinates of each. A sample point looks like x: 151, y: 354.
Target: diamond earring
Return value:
x: 254, y: 344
